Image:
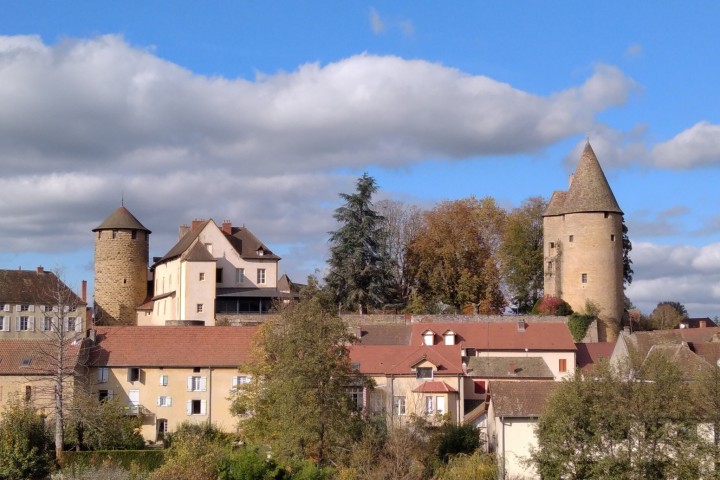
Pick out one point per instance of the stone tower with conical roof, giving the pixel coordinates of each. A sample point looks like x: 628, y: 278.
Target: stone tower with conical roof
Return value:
x: 121, y: 268
x: 582, y: 230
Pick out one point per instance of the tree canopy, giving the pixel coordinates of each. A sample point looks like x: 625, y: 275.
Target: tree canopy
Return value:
x: 297, y: 401
x: 359, y: 273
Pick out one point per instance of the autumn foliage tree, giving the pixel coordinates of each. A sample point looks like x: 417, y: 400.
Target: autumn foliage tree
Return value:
x: 452, y: 258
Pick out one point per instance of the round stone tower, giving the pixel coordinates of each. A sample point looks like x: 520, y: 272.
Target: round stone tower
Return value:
x: 121, y: 268
x: 582, y: 230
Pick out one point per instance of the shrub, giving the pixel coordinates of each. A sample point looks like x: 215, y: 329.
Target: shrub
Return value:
x: 578, y: 325
x: 249, y: 463
x: 455, y: 439
x: 24, y: 443
x: 143, y: 460
x: 549, y: 305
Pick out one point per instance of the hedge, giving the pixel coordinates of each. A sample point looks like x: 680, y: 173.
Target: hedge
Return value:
x: 145, y: 460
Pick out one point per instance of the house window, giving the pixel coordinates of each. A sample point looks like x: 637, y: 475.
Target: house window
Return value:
x: 562, y: 365
x: 4, y: 324
x: 583, y: 278
x: 356, y: 397
x: 450, y: 338
x: 429, y: 405
x: 70, y: 325
x: 24, y: 324
x: 399, y: 405
x: 199, y: 308
x: 218, y: 275
x: 240, y: 380
x: 239, y: 275
x: 105, y: 395
x: 25, y: 362
x: 428, y: 338
x: 133, y: 374
x: 103, y: 374
x: 196, y: 383
x: 196, y: 407
x: 552, y: 244
x: 440, y: 405
x: 424, y: 372
x: 261, y: 276
x: 47, y: 324
x: 202, y: 276
x: 24, y: 308
x: 164, y: 401
x: 612, y: 237
x: 571, y: 238
x: 162, y: 428
x: 164, y: 380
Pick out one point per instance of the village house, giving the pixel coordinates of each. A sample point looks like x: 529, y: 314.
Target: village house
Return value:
x: 170, y: 374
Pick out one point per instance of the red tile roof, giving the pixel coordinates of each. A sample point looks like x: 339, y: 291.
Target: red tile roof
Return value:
x: 503, y: 335
x: 588, y: 354
x: 172, y: 346
x: 400, y: 359
x: 434, y: 387
x: 40, y: 354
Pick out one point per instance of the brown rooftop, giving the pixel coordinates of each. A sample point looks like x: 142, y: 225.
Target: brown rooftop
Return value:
x: 521, y: 399
x: 34, y: 287
x: 121, y: 219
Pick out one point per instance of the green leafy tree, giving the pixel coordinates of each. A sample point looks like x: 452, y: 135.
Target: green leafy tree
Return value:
x: 667, y: 315
x: 359, y: 268
x: 650, y: 431
x: 627, y: 262
x: 24, y: 442
x: 297, y: 402
x: 103, y: 425
x: 522, y: 253
x: 452, y: 258
x: 196, y: 452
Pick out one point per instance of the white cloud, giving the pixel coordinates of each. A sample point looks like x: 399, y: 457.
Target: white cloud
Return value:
x: 683, y: 273
x: 376, y: 22
x: 697, y: 146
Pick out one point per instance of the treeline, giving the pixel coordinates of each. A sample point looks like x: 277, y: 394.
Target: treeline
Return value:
x: 468, y: 255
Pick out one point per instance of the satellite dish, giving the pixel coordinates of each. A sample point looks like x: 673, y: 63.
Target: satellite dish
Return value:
x: 718, y: 362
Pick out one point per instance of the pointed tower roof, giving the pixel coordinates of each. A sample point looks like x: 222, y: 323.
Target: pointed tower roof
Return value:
x: 589, y: 190
x: 121, y: 219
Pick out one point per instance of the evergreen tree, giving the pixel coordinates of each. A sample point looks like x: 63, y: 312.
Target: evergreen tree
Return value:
x: 627, y: 262
x: 359, y: 270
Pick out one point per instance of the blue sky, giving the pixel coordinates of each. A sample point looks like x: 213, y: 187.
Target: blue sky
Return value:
x: 262, y: 113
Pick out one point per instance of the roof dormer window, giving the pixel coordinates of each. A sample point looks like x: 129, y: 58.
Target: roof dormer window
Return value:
x: 260, y: 252
x: 449, y: 337
x: 428, y: 337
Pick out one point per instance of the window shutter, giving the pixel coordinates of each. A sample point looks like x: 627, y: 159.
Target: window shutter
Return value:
x: 78, y: 324
x: 18, y: 308
x: 66, y: 309
x: 6, y: 307
x: 110, y: 395
x: 17, y: 324
x: 42, y: 308
x: 235, y: 381
x: 203, y: 384
x: 55, y: 308
x: 31, y: 308
x: 203, y: 407
x: 189, y: 385
x: 168, y: 401
x: 31, y: 323
x: 158, y: 401
x: 188, y: 407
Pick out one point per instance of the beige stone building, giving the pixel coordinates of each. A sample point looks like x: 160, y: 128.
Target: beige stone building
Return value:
x: 121, y: 268
x: 36, y: 304
x: 582, y: 229
x: 213, y: 270
x: 170, y: 374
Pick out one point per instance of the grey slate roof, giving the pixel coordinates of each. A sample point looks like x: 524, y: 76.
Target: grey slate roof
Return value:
x: 121, y: 219
x: 521, y: 399
x: 198, y: 253
x: 499, y: 367
x: 589, y: 190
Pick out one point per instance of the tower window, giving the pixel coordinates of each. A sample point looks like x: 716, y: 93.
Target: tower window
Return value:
x: 133, y: 235
x: 612, y: 237
x: 584, y: 278
x: 114, y: 234
x: 607, y: 214
x: 99, y: 234
x: 552, y: 244
x: 571, y: 238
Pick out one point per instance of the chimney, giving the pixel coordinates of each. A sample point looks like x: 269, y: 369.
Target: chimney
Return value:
x: 196, y: 223
x: 40, y: 269
x: 227, y: 227
x: 570, y: 179
x: 83, y: 291
x: 511, y: 369
x: 521, y: 325
x: 184, y: 230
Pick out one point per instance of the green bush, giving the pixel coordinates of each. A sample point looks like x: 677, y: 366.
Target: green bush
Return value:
x: 249, y: 463
x: 578, y: 325
x: 455, y: 439
x: 24, y: 443
x: 144, y: 460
